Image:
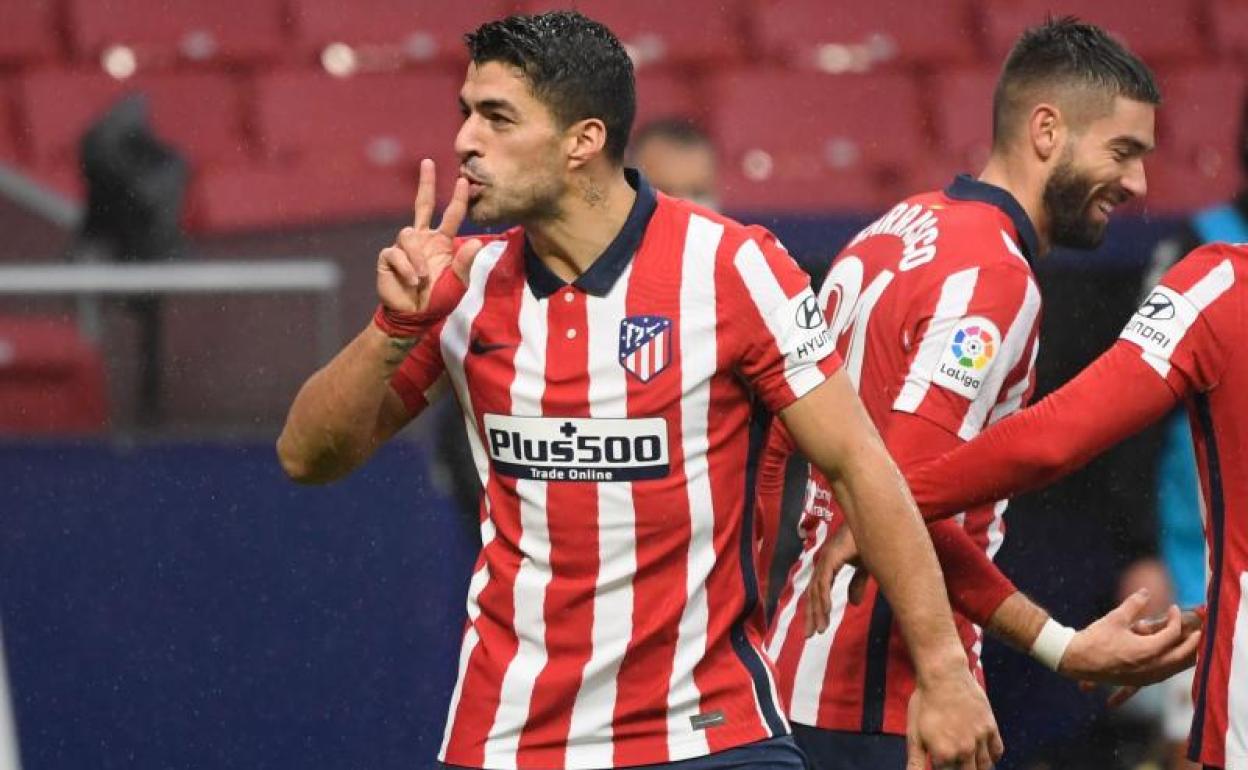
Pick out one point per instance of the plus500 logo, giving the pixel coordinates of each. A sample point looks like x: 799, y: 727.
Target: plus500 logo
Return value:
x: 577, y: 448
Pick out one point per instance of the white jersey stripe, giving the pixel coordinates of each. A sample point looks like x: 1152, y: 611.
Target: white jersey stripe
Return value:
x: 1014, y: 396
x: 590, y: 735
x: 1237, y: 690
x: 529, y: 597
x: 698, y: 364
x: 777, y: 309
x: 801, y: 579
x: 1012, y: 349
x: 955, y: 298
x: 455, y: 336
x: 812, y: 666
x: 1187, y: 309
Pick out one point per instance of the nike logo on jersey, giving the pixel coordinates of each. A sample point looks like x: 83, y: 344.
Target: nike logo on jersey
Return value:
x: 478, y: 348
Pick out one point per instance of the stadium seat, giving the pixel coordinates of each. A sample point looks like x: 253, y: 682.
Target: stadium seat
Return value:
x: 196, y: 112
x: 856, y: 37
x: 8, y: 142
x: 388, y: 34
x: 381, y: 120
x: 662, y: 94
x: 1167, y: 30
x: 963, y: 114
x: 29, y: 31
x: 234, y: 199
x: 51, y: 379
x: 1228, y: 22
x: 160, y: 33
x: 808, y: 140
x: 658, y: 32
x: 1197, y: 135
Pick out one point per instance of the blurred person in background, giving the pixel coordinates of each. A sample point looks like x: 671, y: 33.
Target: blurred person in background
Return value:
x: 613, y: 619
x: 679, y: 159
x: 935, y: 309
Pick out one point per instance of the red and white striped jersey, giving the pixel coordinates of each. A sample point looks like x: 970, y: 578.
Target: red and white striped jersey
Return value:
x: 613, y: 615
x: 1192, y: 330
x: 936, y: 314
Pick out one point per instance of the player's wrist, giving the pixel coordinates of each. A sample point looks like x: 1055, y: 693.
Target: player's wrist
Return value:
x: 400, y: 325
x: 1052, y: 643
x: 940, y: 665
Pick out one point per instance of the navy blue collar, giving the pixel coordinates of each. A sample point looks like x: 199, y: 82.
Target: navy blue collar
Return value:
x: 966, y: 188
x: 609, y: 265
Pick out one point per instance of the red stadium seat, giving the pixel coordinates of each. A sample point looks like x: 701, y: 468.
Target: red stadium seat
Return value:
x: 662, y: 94
x: 1228, y: 22
x: 854, y: 37
x: 963, y: 113
x: 1164, y: 30
x: 381, y: 121
x: 8, y: 142
x: 163, y: 32
x: 231, y: 199
x: 386, y: 34
x: 198, y: 113
x: 663, y: 32
x: 1197, y: 137
x: 808, y: 140
x: 29, y: 31
x: 51, y: 379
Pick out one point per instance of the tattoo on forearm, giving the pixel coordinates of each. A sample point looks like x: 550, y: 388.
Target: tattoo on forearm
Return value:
x: 398, y: 349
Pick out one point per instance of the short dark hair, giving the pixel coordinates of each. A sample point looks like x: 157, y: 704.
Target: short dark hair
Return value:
x: 574, y: 65
x: 678, y: 130
x: 1068, y: 52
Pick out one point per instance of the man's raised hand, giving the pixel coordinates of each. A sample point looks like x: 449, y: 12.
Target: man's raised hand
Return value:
x: 412, y: 274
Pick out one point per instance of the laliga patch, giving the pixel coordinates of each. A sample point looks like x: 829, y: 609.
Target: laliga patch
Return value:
x: 967, y: 356
x: 1160, y: 322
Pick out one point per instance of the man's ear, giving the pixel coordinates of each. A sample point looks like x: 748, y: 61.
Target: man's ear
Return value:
x: 1046, y: 130
x: 585, y: 140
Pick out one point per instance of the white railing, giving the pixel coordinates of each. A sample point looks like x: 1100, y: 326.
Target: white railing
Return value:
x: 91, y: 280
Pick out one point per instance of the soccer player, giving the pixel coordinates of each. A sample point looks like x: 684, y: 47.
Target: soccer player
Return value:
x: 614, y: 355
x: 678, y: 159
x: 1181, y: 347
x: 935, y: 311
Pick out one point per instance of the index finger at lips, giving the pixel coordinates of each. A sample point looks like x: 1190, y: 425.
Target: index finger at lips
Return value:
x: 425, y: 195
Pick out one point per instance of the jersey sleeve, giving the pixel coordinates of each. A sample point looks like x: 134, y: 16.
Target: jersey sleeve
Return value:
x: 784, y: 346
x: 971, y: 347
x: 1115, y: 397
x: 976, y: 585
x: 1182, y: 327
x: 421, y: 378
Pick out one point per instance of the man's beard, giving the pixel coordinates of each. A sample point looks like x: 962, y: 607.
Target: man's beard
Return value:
x: 1067, y: 197
x: 538, y: 201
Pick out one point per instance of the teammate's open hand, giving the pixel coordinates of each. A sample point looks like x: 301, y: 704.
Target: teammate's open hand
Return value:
x: 409, y: 271
x: 950, y: 720
x: 838, y: 552
x: 1126, y: 649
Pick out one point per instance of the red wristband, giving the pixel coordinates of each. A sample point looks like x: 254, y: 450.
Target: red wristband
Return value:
x: 402, y: 325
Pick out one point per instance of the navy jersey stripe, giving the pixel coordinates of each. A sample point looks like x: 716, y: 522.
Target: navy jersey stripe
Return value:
x: 760, y: 421
x: 875, y: 676
x: 1217, y: 530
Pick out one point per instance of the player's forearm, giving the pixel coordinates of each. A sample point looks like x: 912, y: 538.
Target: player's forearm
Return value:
x: 1017, y: 621
x: 335, y: 421
x: 897, y: 551
x: 977, y: 587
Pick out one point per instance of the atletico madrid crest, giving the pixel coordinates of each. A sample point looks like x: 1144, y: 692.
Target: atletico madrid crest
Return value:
x: 645, y: 345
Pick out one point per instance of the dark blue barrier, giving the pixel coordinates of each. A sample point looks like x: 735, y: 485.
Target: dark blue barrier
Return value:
x: 184, y: 606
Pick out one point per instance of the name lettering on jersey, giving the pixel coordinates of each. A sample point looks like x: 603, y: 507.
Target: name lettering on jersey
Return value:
x: 578, y: 448
x: 1157, y: 325
x: 972, y: 347
x: 915, y: 225
x: 645, y: 345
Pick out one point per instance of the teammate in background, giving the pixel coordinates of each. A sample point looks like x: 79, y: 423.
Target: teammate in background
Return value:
x: 613, y: 356
x: 1184, y: 345
x: 678, y: 159
x: 935, y: 312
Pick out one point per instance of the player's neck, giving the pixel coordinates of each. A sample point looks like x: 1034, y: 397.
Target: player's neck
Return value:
x: 1026, y: 188
x: 593, y: 213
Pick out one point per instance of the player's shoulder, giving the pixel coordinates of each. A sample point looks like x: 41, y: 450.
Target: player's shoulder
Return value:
x: 1211, y: 267
x: 732, y: 235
